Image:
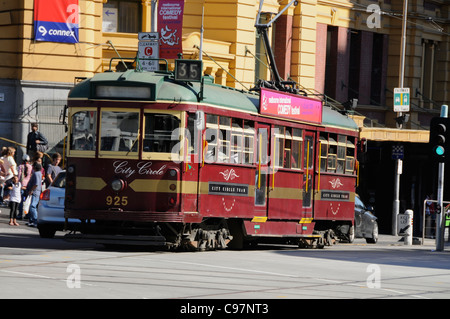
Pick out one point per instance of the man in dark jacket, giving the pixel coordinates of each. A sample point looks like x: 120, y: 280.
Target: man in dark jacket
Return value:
x: 36, y: 141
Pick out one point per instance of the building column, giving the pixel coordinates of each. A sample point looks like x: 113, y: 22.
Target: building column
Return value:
x: 321, y: 57
x: 283, y: 43
x: 365, y: 67
x: 146, y: 15
x: 342, y: 64
x: 304, y: 44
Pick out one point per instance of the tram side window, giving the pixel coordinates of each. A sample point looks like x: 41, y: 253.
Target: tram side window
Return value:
x: 249, y: 142
x: 229, y: 140
x: 158, y: 130
x: 323, y: 152
x: 279, y: 136
x: 297, y: 139
x: 337, y: 153
x: 332, y: 153
x: 341, y: 153
x: 84, y: 126
x: 119, y: 131
x: 211, y: 139
x: 236, y: 141
x: 350, y: 156
x: 288, y: 142
x: 224, y: 139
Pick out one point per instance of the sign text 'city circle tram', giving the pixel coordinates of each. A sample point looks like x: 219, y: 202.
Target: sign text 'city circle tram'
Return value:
x: 153, y: 160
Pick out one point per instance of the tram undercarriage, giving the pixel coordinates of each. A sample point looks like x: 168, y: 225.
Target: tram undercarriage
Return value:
x: 211, y: 234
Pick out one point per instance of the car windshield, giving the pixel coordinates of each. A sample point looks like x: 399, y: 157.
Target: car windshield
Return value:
x: 60, y: 180
x: 359, y: 203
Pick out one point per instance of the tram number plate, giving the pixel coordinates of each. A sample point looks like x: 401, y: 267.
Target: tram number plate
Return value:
x: 117, y: 200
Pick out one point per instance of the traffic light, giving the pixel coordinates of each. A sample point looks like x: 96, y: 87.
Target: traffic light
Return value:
x: 440, y: 138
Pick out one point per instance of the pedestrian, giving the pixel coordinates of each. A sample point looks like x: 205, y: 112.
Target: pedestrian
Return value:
x: 34, y: 189
x: 36, y: 141
x: 53, y: 169
x: 2, y: 181
x: 15, y: 199
x: 39, y: 158
x: 25, y: 171
x: 10, y: 167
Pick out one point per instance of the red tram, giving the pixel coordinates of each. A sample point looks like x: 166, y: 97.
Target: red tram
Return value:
x: 157, y: 161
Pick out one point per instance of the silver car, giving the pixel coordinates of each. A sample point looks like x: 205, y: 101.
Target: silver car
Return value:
x: 51, y: 208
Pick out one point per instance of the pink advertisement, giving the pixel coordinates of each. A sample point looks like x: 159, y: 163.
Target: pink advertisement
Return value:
x: 170, y: 27
x: 290, y: 106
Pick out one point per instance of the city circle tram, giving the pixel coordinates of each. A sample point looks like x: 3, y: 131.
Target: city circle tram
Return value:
x: 153, y: 160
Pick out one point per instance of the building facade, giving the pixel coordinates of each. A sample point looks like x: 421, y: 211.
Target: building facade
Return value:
x: 339, y: 51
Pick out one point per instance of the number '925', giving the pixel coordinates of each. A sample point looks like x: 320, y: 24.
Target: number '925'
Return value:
x: 117, y: 200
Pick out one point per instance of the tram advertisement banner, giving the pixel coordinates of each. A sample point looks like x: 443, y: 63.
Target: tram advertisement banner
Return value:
x: 170, y: 26
x: 290, y: 106
x: 56, y: 20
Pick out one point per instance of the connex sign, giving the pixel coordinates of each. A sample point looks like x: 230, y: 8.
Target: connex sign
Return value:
x: 56, y: 20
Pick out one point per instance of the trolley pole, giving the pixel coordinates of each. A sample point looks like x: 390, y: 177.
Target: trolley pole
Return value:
x: 440, y: 221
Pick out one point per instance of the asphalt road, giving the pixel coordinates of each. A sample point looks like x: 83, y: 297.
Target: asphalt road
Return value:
x: 56, y: 269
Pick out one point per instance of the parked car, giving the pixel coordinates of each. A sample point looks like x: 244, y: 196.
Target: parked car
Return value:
x: 366, y: 225
x: 51, y: 208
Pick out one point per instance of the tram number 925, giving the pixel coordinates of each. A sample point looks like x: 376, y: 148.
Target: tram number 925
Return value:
x: 117, y: 200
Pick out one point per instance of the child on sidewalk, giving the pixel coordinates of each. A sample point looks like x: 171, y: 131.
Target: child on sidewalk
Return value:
x: 15, y: 198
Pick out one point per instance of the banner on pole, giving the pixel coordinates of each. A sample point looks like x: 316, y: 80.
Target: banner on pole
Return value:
x: 170, y: 27
x: 56, y: 20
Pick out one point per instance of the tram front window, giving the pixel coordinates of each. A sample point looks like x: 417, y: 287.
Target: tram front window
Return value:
x: 119, y: 131
x: 84, y: 127
x: 158, y: 130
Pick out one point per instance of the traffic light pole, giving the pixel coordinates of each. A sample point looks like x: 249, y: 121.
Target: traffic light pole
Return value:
x: 440, y: 220
x: 396, y: 203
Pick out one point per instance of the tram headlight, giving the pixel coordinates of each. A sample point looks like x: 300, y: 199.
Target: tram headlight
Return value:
x: 117, y: 185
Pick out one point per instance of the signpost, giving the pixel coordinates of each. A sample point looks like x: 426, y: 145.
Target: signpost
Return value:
x: 148, y: 48
x: 401, y: 100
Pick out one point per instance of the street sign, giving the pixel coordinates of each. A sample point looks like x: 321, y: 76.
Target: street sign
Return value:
x: 398, y: 151
x: 148, y: 48
x: 401, y: 100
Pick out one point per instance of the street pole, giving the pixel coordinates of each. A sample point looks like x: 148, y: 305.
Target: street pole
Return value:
x: 440, y: 218
x: 154, y: 25
x: 396, y: 205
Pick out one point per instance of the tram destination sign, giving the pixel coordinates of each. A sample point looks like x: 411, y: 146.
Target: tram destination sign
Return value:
x: 290, y: 106
x: 188, y: 70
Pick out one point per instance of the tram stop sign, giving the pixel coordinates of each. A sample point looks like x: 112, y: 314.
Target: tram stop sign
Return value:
x: 401, y: 100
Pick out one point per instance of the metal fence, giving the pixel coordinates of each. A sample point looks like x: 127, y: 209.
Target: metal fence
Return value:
x: 49, y: 115
x: 429, y: 219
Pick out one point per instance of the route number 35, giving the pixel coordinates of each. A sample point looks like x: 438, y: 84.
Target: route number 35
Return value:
x: 117, y: 200
x: 188, y: 70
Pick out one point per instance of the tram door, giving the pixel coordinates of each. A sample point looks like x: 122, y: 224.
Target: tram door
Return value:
x: 308, y: 167
x: 262, y: 169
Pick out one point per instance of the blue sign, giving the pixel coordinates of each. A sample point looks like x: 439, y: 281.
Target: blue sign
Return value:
x: 397, y: 152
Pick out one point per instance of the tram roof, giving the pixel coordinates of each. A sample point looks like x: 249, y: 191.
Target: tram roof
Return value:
x: 165, y: 88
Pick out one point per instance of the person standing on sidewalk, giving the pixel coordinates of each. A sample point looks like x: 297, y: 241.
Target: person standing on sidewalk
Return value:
x: 15, y: 198
x: 25, y: 171
x: 36, y: 141
x: 34, y: 189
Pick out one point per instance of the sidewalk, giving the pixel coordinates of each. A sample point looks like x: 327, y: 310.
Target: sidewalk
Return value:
x: 4, y: 219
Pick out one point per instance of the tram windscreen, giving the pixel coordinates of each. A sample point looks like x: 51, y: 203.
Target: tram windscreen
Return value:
x: 119, y: 131
x: 84, y: 127
x: 158, y: 130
